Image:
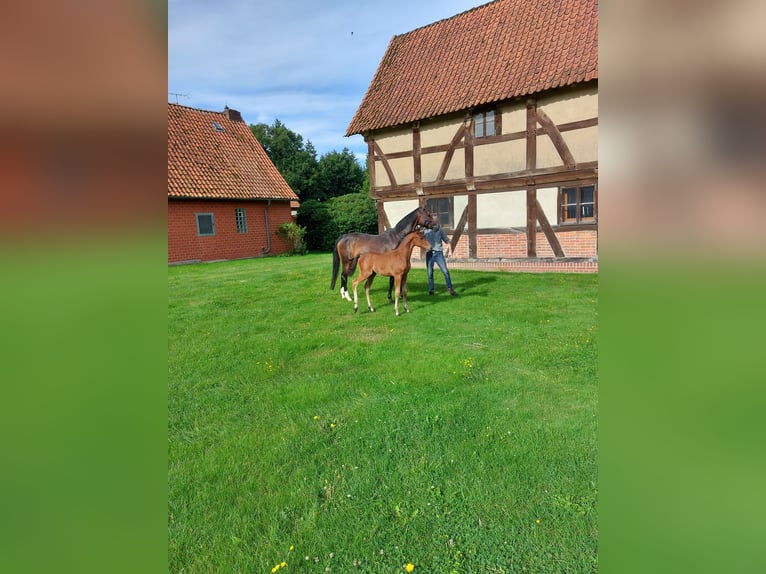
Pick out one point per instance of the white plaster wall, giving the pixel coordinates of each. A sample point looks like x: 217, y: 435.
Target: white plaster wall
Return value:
x: 395, y: 210
x: 500, y: 157
x: 392, y: 141
x: 570, y: 107
x: 583, y: 144
x: 509, y: 208
x: 514, y: 118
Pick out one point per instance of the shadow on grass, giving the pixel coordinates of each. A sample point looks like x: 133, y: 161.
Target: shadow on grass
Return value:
x: 476, y: 286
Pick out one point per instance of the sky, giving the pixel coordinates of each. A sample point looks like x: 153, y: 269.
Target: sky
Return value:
x: 307, y: 63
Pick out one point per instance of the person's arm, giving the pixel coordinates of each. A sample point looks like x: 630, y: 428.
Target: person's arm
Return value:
x: 447, y: 241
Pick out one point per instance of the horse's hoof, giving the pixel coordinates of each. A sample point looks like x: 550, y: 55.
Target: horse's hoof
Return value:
x: 372, y: 310
x: 356, y: 309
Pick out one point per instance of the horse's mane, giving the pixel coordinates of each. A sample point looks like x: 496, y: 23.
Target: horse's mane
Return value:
x: 406, y: 221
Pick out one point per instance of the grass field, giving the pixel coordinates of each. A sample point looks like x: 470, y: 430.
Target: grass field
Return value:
x: 460, y: 437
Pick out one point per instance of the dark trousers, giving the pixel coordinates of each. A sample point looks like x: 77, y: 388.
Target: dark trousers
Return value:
x: 438, y: 258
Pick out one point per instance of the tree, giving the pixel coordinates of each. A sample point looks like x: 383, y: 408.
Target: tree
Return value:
x: 326, y: 221
x: 338, y: 173
x: 297, y: 163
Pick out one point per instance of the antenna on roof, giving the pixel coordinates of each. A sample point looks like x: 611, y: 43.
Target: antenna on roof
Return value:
x: 176, y: 95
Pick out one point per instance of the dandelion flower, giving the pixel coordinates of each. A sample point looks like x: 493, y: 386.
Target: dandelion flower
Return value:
x: 332, y: 425
x: 410, y: 567
x: 316, y: 417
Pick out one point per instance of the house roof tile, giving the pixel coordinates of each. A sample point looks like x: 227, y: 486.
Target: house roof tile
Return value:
x: 495, y: 52
x: 205, y: 162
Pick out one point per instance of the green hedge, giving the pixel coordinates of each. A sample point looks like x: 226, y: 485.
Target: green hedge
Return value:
x: 326, y: 221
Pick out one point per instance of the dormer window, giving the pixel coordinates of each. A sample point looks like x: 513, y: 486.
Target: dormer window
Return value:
x: 218, y: 127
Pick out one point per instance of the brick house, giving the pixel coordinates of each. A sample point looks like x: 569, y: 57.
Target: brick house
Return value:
x: 225, y: 197
x: 490, y: 120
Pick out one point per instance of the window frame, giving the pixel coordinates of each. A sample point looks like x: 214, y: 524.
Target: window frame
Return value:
x: 212, y: 223
x: 240, y: 219
x: 578, y: 205
x: 480, y: 119
x: 448, y: 223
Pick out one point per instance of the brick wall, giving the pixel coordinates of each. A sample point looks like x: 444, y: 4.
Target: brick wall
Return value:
x: 581, y: 243
x: 508, y: 252
x: 185, y: 244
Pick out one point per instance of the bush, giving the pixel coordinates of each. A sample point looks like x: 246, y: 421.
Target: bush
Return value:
x: 326, y: 221
x: 293, y: 234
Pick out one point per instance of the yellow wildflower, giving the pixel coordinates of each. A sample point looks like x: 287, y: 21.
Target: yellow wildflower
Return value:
x: 410, y: 567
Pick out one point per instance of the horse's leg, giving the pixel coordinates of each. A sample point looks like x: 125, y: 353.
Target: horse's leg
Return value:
x: 390, y: 288
x: 350, y: 270
x: 367, y: 286
x: 404, y: 292
x: 344, y: 281
x: 349, y: 267
x: 396, y: 296
x: 335, y: 264
x: 354, y: 283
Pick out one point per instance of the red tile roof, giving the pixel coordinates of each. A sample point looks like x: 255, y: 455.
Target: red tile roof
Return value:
x: 494, y: 52
x: 208, y: 163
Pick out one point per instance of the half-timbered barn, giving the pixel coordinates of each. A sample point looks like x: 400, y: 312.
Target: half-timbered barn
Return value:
x: 226, y: 198
x: 490, y: 120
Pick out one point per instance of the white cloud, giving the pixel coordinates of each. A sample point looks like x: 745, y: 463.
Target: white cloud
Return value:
x: 296, y: 60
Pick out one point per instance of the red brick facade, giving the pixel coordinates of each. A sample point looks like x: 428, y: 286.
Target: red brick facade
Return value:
x: 580, y: 243
x: 508, y: 252
x: 186, y: 245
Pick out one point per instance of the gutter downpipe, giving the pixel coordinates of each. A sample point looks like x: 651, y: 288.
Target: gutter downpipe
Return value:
x: 267, y: 249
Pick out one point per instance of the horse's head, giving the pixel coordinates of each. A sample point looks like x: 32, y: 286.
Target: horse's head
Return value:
x: 425, y: 219
x: 419, y: 240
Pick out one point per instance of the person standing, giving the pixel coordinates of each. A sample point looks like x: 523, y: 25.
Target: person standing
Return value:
x: 436, y: 237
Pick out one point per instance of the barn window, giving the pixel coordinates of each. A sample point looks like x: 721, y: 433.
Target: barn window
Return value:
x: 205, y: 224
x: 486, y: 123
x: 578, y: 204
x: 444, y: 208
x: 241, y: 218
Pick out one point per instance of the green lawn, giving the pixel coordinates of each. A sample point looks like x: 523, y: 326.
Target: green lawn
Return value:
x: 460, y: 437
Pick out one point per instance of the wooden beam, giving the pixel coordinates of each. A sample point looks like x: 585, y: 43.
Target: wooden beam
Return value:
x: 383, y: 222
x: 558, y: 140
x: 472, y: 237
x: 468, y: 141
x: 532, y: 222
x: 548, y: 230
x: 371, y: 162
x: 582, y: 174
x: 459, y: 228
x: 531, y: 164
x: 384, y: 161
x: 416, y: 155
x: 450, y: 152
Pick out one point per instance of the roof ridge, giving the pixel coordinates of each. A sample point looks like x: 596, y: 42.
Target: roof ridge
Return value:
x: 494, y: 52
x: 454, y: 16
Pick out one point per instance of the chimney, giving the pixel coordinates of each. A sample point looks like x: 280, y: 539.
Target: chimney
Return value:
x: 232, y: 115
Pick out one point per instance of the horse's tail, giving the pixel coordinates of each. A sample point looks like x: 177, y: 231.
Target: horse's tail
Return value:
x: 335, y: 265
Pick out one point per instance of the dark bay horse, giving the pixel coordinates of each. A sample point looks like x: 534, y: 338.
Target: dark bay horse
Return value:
x: 394, y: 263
x: 351, y: 245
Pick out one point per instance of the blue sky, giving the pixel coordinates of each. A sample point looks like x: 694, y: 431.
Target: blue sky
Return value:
x: 306, y: 62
